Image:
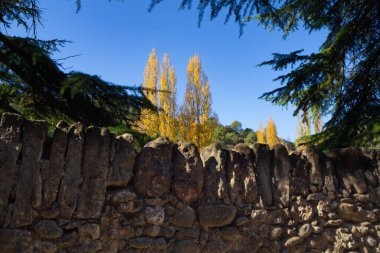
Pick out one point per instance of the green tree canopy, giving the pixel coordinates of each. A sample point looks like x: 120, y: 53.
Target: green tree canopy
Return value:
x: 32, y: 83
x: 341, y: 81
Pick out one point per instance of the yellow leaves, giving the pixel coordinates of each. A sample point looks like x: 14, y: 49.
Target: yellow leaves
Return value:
x: 167, y: 115
x: 260, y: 133
x: 269, y: 134
x: 194, y: 123
x: 149, y: 120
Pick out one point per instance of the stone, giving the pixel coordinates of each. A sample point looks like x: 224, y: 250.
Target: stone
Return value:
x: 126, y: 232
x: 317, y: 162
x: 48, y: 229
x: 293, y: 241
x: 305, y: 230
x: 152, y: 168
x: 259, y: 216
x: 323, y: 209
x: 244, y: 160
x: 276, y: 233
x: 14, y: 240
x: 316, y: 197
x: 192, y: 233
x: 264, y: 177
x: 51, y: 177
x: 91, y: 231
x: 301, y: 210
x: 357, y: 180
x: 230, y: 234
x: 216, y: 215
x: 92, y: 193
x: 72, y: 177
x: 152, y: 231
x: 187, y: 246
x: 47, y: 247
x: 299, y: 175
x: 370, y: 241
x: 356, y: 214
x: 123, y: 196
x: 68, y: 240
x: 188, y: 172
x: 33, y: 142
x: 184, y: 216
x: 168, y: 232
x: 160, y: 243
x: 155, y: 215
x: 276, y: 217
x: 281, y: 176
x: 330, y: 180
x: 334, y: 223
x: 122, y: 161
x: 240, y: 221
x: 10, y: 148
x: 215, y: 183
x: 140, y: 242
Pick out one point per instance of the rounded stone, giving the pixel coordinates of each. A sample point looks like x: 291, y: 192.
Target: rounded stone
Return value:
x: 370, y: 241
x: 293, y: 241
x: 216, y: 215
x: 155, y: 215
x: 91, y: 231
x: 276, y: 233
x: 187, y: 246
x: 305, y: 230
x: 48, y: 229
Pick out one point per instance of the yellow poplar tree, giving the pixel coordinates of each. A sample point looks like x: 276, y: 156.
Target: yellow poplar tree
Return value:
x: 167, y: 114
x: 149, y: 120
x: 260, y: 133
x: 195, y: 122
x: 271, y: 133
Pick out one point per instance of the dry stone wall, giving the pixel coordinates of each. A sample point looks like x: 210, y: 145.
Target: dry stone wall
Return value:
x: 87, y: 190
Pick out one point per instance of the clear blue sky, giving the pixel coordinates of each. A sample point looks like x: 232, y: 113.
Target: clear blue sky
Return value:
x: 115, y: 38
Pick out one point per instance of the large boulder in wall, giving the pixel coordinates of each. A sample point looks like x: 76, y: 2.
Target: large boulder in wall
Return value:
x: 281, y: 168
x: 188, y: 172
x: 264, y: 176
x: 152, y: 168
x: 216, y: 184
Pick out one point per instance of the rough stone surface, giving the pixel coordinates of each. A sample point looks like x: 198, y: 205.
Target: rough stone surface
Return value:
x: 215, y: 184
x: 48, y: 229
x: 72, y: 177
x: 51, y: 177
x: 122, y: 159
x: 155, y: 215
x: 188, y: 172
x: 281, y: 176
x: 85, y: 190
x: 153, y: 168
x: 92, y: 193
x: 245, y: 161
x: 216, y: 215
x: 264, y: 177
x: 10, y: 148
x: 357, y: 214
x: 33, y: 142
x: 184, y: 216
x: 14, y: 240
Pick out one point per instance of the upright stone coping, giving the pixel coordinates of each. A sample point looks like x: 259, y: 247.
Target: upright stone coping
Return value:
x: 188, y: 172
x: 153, y: 168
x: 87, y: 190
x: 10, y: 148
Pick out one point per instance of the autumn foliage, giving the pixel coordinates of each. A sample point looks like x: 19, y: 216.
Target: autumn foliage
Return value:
x: 193, y: 121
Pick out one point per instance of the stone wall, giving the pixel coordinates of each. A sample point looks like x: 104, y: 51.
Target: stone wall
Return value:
x: 86, y: 190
